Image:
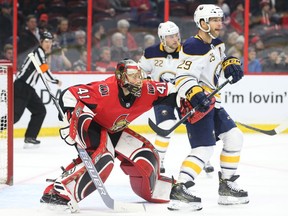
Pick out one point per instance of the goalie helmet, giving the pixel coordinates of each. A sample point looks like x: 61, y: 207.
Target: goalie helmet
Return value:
x: 126, y: 70
x: 167, y: 28
x: 205, y: 12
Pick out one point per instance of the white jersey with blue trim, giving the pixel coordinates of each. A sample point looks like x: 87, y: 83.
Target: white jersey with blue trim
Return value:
x: 200, y: 64
x: 159, y: 64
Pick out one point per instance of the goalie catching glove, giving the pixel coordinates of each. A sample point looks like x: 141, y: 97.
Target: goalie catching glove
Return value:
x: 232, y: 67
x: 196, y: 98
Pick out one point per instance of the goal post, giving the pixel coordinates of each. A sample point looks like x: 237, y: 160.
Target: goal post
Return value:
x: 7, y: 121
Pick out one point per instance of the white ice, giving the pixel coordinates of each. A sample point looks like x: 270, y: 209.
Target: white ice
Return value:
x: 263, y: 173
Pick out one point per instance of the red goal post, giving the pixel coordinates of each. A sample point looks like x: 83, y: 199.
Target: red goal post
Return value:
x: 6, y: 127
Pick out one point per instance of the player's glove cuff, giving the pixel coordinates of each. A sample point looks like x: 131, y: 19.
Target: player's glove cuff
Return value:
x: 198, y: 99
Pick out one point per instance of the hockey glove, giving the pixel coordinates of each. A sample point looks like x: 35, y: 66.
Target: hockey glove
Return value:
x: 232, y: 67
x: 186, y: 107
x: 198, y: 99
x: 65, y: 130
x: 64, y: 134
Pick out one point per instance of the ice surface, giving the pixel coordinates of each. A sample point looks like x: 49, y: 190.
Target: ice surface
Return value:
x: 263, y: 173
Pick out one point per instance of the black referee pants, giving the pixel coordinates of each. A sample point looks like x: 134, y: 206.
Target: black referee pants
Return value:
x: 25, y: 96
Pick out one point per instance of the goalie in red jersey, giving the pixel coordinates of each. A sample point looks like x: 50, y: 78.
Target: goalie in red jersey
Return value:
x: 98, y: 115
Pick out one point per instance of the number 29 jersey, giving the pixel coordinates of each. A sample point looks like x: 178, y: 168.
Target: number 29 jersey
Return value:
x: 200, y: 64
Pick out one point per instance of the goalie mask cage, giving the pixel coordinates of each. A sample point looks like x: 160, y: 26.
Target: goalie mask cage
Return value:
x: 6, y: 127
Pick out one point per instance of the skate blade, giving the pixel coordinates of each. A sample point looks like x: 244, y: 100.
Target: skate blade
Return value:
x: 57, y: 209
x: 176, y: 205
x: 229, y: 200
x: 31, y: 146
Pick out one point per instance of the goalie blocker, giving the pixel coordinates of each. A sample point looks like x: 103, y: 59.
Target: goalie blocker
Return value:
x: 138, y: 157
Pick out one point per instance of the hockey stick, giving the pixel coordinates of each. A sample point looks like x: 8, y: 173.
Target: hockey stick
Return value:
x: 272, y: 132
x: 89, y: 165
x: 163, y: 132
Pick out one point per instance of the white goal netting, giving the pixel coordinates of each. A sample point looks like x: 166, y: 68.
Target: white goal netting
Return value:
x: 5, y: 143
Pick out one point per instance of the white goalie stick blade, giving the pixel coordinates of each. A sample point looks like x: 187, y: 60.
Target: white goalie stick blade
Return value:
x: 128, y: 207
x: 89, y: 165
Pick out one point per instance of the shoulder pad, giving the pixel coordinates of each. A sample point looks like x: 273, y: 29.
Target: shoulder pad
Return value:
x: 154, y: 52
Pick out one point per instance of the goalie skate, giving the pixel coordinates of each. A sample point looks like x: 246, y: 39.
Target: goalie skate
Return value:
x: 54, y: 201
x: 181, y: 199
x: 230, y: 193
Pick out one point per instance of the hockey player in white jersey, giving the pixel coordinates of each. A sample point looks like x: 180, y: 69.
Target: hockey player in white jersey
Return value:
x: 203, y: 65
x: 160, y: 62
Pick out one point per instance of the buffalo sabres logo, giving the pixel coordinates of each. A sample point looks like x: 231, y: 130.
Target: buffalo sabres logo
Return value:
x: 167, y: 76
x: 120, y: 123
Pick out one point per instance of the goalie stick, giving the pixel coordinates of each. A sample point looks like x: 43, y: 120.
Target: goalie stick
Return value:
x: 95, y: 177
x: 272, y: 132
x: 163, y: 132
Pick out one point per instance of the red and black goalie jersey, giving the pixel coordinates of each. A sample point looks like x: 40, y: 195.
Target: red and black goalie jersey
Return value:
x: 112, y: 110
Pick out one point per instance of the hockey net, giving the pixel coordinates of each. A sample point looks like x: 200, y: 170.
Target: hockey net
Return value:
x: 6, y: 127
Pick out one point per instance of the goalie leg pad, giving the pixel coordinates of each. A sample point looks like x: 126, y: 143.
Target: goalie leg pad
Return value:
x: 75, y: 179
x: 79, y: 125
x: 139, y: 160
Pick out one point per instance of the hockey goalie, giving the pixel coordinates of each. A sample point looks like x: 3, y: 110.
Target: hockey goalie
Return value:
x: 98, y: 115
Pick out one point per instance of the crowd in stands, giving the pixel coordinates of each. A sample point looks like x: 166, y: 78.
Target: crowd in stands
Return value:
x: 124, y: 28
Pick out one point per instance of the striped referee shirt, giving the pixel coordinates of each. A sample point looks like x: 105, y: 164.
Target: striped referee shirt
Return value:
x: 29, y: 74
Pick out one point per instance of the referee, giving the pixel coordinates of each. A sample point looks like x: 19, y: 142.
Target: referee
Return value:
x: 25, y: 95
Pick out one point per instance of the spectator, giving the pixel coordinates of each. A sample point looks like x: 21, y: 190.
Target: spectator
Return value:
x: 57, y: 60
x: 254, y: 64
x: 267, y: 18
x: 237, y: 18
x: 74, y: 51
x: 43, y: 23
x: 224, y: 6
x: 259, y: 47
x: 99, y: 39
x: 105, y: 64
x: 149, y: 40
x: 274, y: 61
x: 28, y: 38
x: 129, y: 41
x: 6, y: 23
x: 237, y: 49
x: 137, y: 54
x: 141, y: 5
x: 8, y: 52
x: 141, y: 10
x: 65, y: 37
x: 231, y: 39
x: 119, y: 7
x: 118, y: 50
x: 103, y: 8
x: 81, y: 63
